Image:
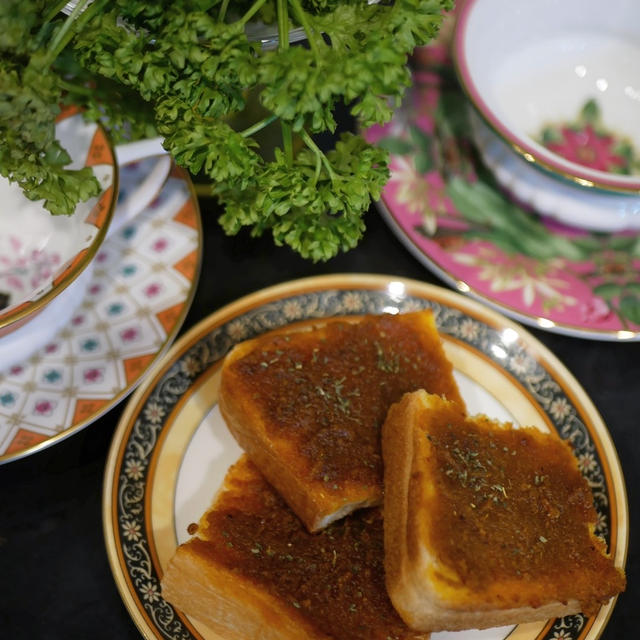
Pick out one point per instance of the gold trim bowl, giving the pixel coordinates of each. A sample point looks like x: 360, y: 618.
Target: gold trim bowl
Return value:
x: 557, y: 81
x: 41, y: 255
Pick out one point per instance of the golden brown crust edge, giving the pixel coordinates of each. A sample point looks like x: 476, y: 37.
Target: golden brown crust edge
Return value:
x: 229, y: 605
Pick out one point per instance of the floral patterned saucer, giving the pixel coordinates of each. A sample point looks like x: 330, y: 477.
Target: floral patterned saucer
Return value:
x: 447, y: 208
x: 142, y: 285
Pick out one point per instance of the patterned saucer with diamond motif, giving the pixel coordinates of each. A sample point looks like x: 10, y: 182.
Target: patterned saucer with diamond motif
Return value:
x: 141, y: 289
x: 171, y: 449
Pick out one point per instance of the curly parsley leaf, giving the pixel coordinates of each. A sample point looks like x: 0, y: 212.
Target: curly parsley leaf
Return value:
x: 30, y: 97
x: 315, y: 209
x: 186, y: 70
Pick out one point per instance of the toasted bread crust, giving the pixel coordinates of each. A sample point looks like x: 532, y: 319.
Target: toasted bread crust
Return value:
x: 485, y: 524
x: 252, y: 570
x: 307, y: 406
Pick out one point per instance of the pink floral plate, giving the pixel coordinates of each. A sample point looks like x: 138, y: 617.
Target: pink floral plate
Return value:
x: 142, y: 286
x: 446, y: 207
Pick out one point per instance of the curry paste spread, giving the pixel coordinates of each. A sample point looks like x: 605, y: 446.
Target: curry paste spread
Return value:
x: 334, y: 578
x: 511, y: 505
x: 330, y: 391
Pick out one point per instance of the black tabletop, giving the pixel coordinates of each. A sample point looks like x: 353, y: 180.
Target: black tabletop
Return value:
x: 55, y: 580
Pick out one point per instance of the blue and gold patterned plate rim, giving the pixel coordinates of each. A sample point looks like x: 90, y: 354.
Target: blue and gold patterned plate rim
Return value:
x: 171, y: 449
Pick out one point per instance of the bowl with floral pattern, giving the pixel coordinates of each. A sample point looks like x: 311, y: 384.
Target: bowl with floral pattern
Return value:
x: 561, y: 200
x: 42, y: 254
x: 558, y: 82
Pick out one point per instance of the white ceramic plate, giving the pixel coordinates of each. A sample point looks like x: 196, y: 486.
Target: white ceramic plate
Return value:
x: 142, y: 286
x: 171, y: 449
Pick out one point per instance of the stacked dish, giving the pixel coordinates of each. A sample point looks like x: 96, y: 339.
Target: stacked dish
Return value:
x: 91, y: 300
x: 556, y: 91
x: 513, y: 171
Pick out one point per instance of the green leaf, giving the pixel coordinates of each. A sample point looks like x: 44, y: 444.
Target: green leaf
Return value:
x: 492, y: 215
x: 396, y: 146
x: 590, y: 112
x: 630, y: 308
x: 608, y: 291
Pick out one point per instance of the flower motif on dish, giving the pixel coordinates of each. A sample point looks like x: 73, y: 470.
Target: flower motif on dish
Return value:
x: 560, y: 409
x: 595, y: 310
x: 150, y: 592
x: 352, y: 302
x: 90, y: 344
x: 237, y: 330
x: 134, y: 469
x: 52, y: 376
x: 293, y: 310
x: 587, y: 462
x: 191, y: 365
x: 131, y: 530
x: 115, y: 308
x: 92, y: 375
x: 130, y: 334
x: 587, y: 142
x: 601, y: 525
x: 128, y: 232
x: 44, y: 407
x: 422, y: 194
x: 468, y: 330
x: 160, y: 245
x: 7, y: 399
x: 154, y: 412
x: 152, y: 290
x: 520, y: 273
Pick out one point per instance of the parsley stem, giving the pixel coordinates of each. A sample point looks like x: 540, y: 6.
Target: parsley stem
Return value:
x: 308, y: 29
x: 54, y: 11
x: 79, y: 16
x: 61, y: 37
x: 223, y: 10
x: 75, y: 88
x: 283, y: 25
x: 308, y: 140
x: 255, y: 7
x: 258, y: 126
x: 283, y: 45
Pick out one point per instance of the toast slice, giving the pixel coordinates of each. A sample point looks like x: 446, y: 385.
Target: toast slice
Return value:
x: 486, y: 524
x: 308, y: 404
x: 252, y: 570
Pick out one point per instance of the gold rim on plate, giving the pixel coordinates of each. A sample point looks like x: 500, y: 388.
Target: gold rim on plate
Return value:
x: 171, y: 450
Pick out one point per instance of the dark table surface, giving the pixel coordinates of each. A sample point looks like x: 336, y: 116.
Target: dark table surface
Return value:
x: 55, y: 580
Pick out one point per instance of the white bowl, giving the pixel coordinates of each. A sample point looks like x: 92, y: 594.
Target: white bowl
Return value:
x: 531, y: 67
x: 563, y: 201
x: 42, y: 254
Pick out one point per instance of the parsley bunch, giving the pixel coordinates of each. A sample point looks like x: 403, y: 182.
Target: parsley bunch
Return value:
x: 186, y: 70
